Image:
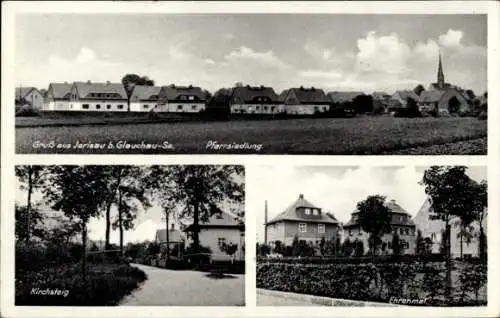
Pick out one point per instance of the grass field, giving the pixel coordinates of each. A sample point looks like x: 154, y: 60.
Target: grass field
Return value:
x: 347, y: 136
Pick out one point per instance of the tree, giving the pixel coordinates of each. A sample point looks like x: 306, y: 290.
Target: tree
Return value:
x: 452, y: 193
x: 114, y: 177
x: 347, y: 248
x: 36, y: 223
x: 412, y: 108
x: 230, y: 249
x: 323, y: 246
x: 200, y: 191
x: 238, y: 84
x: 129, y: 81
x: 374, y: 218
x: 31, y: 178
x: 359, y: 248
x: 396, y: 246
x: 420, y: 244
x: 418, y: 89
x: 80, y: 192
x: 481, y: 202
x: 363, y: 103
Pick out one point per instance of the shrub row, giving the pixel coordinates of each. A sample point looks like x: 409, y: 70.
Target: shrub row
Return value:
x: 105, y: 285
x: 363, y: 281
x: 406, y: 258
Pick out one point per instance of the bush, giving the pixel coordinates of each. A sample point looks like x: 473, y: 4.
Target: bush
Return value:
x: 26, y: 111
x: 483, y: 115
x: 404, y: 258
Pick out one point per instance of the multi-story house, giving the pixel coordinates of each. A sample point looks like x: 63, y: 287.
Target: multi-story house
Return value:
x: 29, y: 96
x: 401, y: 223
x: 99, y: 97
x: 220, y: 229
x: 304, y: 220
x: 255, y: 100
x: 449, y: 101
x: 305, y: 101
x: 432, y: 227
x: 182, y: 99
x: 145, y: 99
x: 58, y: 96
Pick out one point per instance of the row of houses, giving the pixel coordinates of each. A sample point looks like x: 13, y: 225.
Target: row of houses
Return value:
x: 310, y: 223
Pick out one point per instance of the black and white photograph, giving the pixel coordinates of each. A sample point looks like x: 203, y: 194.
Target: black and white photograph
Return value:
x: 118, y: 235
x: 326, y: 84
x: 370, y: 236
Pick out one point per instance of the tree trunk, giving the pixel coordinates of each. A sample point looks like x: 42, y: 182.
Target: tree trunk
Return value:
x: 84, y: 254
x: 196, y: 236
x: 108, y: 225
x: 28, y: 204
x: 448, y: 288
x: 167, y: 214
x: 120, y: 223
x: 462, y: 242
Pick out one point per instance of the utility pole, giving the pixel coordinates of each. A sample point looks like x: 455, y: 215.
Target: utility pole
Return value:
x: 265, y: 224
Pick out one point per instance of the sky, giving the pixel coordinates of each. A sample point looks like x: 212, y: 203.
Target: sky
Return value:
x: 334, y: 189
x: 377, y: 52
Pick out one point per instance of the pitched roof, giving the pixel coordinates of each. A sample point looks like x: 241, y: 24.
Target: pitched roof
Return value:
x: 218, y: 220
x: 396, y: 211
x: 250, y: 94
x: 23, y: 91
x: 143, y: 92
x: 405, y: 94
x: 60, y: 90
x: 380, y: 95
x: 110, y: 90
x: 174, y: 235
x: 430, y: 96
x: 173, y: 92
x: 342, y: 97
x: 290, y: 213
x: 310, y: 95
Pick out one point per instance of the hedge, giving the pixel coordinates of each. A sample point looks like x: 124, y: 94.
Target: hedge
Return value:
x: 405, y: 258
x: 363, y: 281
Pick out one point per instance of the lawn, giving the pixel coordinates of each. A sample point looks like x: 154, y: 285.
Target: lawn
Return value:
x: 346, y: 136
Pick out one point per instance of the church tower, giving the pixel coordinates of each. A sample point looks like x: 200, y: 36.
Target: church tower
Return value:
x: 440, y: 74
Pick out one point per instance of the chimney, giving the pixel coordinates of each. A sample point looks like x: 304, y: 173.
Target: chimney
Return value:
x: 301, y: 196
x: 265, y: 222
x: 88, y: 82
x: 108, y: 82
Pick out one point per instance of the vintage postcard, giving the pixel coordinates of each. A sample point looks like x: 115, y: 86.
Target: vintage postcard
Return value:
x: 250, y: 159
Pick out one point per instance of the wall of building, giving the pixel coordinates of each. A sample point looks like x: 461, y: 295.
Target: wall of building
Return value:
x: 356, y: 233
x: 257, y: 108
x: 177, y: 107
x: 291, y: 229
x: 275, y: 232
x: 209, y: 237
x: 35, y: 98
x: 305, y: 109
x: 447, y: 96
x: 99, y: 106
x: 143, y: 106
x: 56, y: 105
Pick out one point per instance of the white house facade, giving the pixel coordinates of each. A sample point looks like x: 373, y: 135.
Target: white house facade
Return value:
x: 30, y: 96
x: 58, y: 97
x: 98, y: 97
x: 255, y: 100
x: 145, y: 99
x: 305, y: 101
x: 182, y: 99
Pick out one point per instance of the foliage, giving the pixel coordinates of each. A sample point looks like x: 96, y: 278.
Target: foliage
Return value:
x: 263, y: 249
x: 106, y: 285
x: 363, y: 104
x: 472, y: 278
x: 433, y: 281
x: 396, y: 246
x: 359, y: 249
x: 36, y: 223
x: 347, y: 248
x: 374, y: 218
x: 131, y: 80
x: 229, y: 249
x: 301, y: 247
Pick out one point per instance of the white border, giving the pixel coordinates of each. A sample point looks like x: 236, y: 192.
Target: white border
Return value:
x: 410, y: 7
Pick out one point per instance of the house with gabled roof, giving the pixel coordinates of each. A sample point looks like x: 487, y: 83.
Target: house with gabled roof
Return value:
x: 305, y: 101
x: 176, y: 241
x: 182, y: 99
x: 401, y: 223
x: 58, y: 96
x: 255, y: 100
x: 89, y: 96
x: 145, y: 99
x: 304, y: 220
x: 449, y: 101
x: 343, y: 97
x: 432, y: 226
x: 29, y: 96
x: 400, y: 98
x: 220, y: 229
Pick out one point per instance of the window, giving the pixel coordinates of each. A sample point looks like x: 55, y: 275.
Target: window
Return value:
x: 307, y: 211
x: 119, y: 106
x: 191, y: 97
x: 302, y: 227
x: 265, y: 108
x: 401, y: 231
x: 272, y: 108
x: 97, y: 106
x: 433, y: 236
x: 108, y: 106
x: 85, y: 106
x: 193, y: 107
x: 221, y: 241
x: 407, y: 231
x: 179, y: 107
x: 315, y: 212
x: 145, y: 106
x: 321, y: 228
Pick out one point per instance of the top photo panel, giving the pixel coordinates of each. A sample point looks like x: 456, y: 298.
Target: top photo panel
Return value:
x: 318, y: 84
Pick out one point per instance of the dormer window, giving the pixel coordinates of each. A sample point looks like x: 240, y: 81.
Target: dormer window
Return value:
x: 315, y: 212
x: 191, y: 97
x: 307, y: 211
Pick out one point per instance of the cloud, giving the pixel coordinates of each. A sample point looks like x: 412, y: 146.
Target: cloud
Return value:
x: 245, y: 54
x: 452, y: 38
x: 319, y: 74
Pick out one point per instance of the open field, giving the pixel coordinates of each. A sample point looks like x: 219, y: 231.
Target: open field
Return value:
x: 346, y: 136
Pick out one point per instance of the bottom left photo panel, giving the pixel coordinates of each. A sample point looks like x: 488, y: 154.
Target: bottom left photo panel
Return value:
x: 130, y: 235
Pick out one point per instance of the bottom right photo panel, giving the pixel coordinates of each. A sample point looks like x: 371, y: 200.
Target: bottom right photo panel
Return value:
x: 370, y: 235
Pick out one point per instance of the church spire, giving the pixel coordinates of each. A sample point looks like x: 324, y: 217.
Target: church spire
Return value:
x: 440, y: 75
